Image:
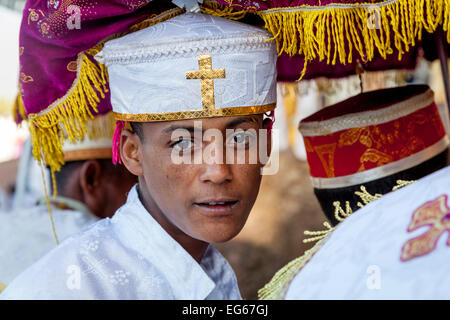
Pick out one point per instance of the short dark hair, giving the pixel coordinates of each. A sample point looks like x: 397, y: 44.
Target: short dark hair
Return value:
x: 62, y: 177
x: 137, y: 128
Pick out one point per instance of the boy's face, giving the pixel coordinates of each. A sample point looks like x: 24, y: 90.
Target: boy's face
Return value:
x: 207, y: 199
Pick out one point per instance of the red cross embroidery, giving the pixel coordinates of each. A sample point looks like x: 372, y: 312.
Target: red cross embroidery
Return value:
x: 434, y: 213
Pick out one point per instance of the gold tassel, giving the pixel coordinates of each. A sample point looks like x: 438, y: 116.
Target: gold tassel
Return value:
x: 48, y: 203
x: 332, y: 32
x: 218, y: 10
x: 19, y: 108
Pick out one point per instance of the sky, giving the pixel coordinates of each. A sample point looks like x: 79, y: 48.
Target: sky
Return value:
x: 9, y: 53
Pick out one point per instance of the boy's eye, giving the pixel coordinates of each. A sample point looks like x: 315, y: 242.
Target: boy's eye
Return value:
x: 241, y: 138
x: 183, y: 144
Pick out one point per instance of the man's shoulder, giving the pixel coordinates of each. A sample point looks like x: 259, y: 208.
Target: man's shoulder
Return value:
x: 26, y: 236
x: 92, y: 264
x: 50, y: 273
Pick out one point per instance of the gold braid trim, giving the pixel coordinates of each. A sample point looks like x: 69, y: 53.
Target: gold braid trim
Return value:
x: 334, y: 31
x: 318, y: 235
x: 196, y: 114
x: 2, y: 287
x: 86, y: 154
x: 278, y: 285
x: 402, y: 183
x: 340, y: 214
x: 72, y: 111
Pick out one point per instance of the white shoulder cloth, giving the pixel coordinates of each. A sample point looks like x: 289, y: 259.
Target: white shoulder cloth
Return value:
x: 26, y: 235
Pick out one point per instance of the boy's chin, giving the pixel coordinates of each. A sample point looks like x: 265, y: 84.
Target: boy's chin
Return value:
x: 219, y: 237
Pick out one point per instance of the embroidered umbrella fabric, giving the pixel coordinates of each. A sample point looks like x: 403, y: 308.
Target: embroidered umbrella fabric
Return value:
x: 61, y: 85
x: 341, y: 31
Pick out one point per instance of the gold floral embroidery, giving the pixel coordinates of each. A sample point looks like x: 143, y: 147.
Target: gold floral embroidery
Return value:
x: 434, y: 213
x: 375, y: 156
x: 308, y: 146
x: 45, y: 27
x: 25, y: 79
x: 379, y: 142
x: 72, y: 66
x: 53, y: 3
x: 33, y: 15
x: 350, y: 137
x: 326, y: 156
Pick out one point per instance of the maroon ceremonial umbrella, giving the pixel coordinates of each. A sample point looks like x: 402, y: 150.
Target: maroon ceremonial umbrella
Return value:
x: 328, y: 37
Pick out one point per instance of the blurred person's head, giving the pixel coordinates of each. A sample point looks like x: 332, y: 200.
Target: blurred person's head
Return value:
x: 88, y: 174
x: 372, y: 144
x: 97, y: 183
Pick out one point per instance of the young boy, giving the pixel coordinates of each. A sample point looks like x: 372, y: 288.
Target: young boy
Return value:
x: 195, y: 89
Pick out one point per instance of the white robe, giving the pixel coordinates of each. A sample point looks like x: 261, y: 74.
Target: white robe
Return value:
x: 362, y: 257
x: 127, y: 257
x: 26, y: 235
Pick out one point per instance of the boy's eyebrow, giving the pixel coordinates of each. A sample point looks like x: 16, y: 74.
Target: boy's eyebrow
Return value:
x: 237, y: 122
x: 175, y: 127
x: 232, y: 123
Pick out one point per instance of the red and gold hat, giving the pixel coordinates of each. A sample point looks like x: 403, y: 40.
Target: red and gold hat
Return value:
x: 370, y: 137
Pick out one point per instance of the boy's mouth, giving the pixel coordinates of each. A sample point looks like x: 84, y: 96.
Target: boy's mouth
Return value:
x: 217, y: 206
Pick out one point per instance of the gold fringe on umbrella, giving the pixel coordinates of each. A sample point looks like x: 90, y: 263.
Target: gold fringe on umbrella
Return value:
x: 332, y: 32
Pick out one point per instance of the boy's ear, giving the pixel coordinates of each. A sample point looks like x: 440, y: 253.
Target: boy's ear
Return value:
x: 91, y: 179
x: 130, y: 152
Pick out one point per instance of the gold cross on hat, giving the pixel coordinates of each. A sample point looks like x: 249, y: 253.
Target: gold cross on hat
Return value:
x: 206, y: 74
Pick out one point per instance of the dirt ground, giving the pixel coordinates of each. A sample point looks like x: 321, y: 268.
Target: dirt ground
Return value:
x: 286, y: 206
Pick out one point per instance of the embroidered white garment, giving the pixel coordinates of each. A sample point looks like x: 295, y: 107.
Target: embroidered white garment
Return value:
x: 26, y: 235
x: 367, y: 256
x: 127, y: 257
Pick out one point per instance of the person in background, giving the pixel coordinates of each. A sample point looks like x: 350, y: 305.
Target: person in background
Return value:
x: 359, y: 150
x: 89, y: 187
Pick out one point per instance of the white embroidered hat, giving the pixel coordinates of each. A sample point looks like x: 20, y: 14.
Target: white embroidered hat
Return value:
x: 191, y: 66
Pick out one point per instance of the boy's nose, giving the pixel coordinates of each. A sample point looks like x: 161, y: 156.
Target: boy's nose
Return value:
x: 216, y: 173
